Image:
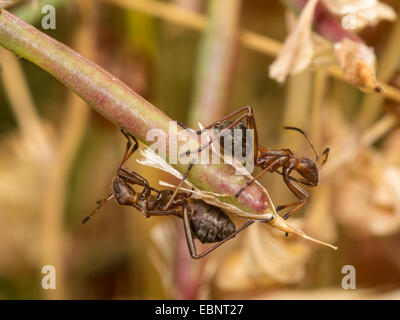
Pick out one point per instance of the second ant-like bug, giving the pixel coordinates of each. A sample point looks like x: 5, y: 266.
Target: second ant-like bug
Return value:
x: 203, y: 221
x: 269, y: 159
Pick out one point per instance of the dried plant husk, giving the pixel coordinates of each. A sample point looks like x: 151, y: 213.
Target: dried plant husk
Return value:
x: 356, y: 15
x: 298, y: 49
x: 21, y: 194
x: 282, y: 258
x: 265, y: 260
x: 165, y: 236
x: 5, y: 3
x: 303, y: 48
x: 319, y: 220
x: 358, y: 62
x: 368, y: 197
x: 234, y: 275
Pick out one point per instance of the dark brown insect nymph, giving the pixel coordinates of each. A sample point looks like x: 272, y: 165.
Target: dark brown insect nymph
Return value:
x: 202, y: 221
x: 269, y: 159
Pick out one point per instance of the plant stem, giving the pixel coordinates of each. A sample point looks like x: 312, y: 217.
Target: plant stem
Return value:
x: 320, y: 79
x: 368, y: 137
x: 388, y: 63
x: 297, y: 108
x: 216, y: 62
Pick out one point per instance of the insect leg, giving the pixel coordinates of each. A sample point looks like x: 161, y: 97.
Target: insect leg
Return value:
x: 128, y: 153
x: 303, y: 181
x: 134, y: 178
x: 248, y: 115
x: 297, y: 191
x: 251, y: 181
x: 172, y: 212
x: 178, y: 186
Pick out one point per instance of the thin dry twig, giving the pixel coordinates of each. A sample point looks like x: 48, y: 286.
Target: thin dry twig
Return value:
x: 388, y: 64
x: 74, y: 125
x: 17, y: 91
x: 216, y: 62
x: 370, y: 135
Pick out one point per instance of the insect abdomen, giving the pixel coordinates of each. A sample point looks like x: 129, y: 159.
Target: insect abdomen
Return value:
x: 210, y: 224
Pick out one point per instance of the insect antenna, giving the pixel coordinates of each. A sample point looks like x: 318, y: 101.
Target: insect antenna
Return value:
x: 100, y: 204
x: 325, y: 155
x: 308, y: 140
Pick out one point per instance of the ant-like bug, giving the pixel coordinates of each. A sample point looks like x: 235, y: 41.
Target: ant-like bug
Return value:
x: 203, y: 221
x: 269, y: 159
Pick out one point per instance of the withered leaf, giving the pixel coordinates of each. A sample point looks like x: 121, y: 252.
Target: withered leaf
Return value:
x: 376, y: 188
x: 5, y: 3
x: 297, y: 51
x: 356, y: 15
x: 357, y: 62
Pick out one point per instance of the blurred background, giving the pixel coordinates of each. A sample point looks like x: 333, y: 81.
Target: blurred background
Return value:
x: 196, y: 60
